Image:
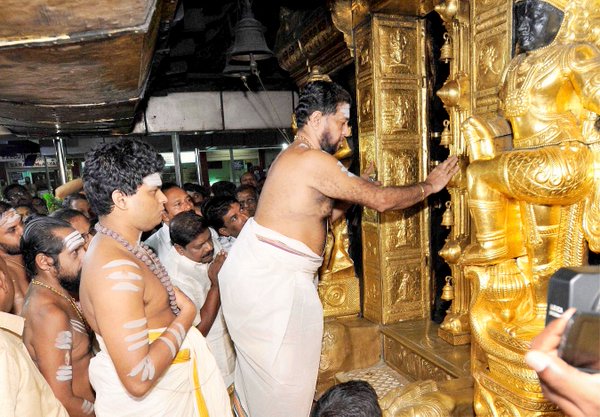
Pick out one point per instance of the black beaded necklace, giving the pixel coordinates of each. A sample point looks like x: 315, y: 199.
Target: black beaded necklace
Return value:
x: 145, y: 254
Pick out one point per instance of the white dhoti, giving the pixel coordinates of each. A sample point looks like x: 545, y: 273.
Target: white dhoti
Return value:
x: 275, y: 318
x: 192, y: 380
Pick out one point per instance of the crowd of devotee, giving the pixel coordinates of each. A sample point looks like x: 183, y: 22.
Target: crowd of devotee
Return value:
x: 143, y: 298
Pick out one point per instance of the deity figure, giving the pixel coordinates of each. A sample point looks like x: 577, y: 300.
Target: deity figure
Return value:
x: 538, y: 198
x: 535, y: 203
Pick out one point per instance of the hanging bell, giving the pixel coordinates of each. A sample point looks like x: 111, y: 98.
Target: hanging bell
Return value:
x: 446, y: 136
x: 448, y: 290
x: 249, y: 43
x: 446, y: 50
x: 448, y: 216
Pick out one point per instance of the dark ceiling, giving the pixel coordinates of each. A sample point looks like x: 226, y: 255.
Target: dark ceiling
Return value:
x: 190, y: 55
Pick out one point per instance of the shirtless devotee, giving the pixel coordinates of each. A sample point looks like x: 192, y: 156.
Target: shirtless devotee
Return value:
x: 23, y: 390
x: 56, y: 333
x: 267, y: 283
x: 225, y: 215
x: 196, y: 261
x: 152, y: 361
x: 11, y: 229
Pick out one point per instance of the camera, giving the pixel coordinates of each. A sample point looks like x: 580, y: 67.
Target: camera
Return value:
x: 577, y: 287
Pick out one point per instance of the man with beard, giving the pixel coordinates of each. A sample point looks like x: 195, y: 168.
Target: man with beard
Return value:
x: 24, y: 391
x: 11, y: 230
x: 267, y: 283
x: 56, y: 333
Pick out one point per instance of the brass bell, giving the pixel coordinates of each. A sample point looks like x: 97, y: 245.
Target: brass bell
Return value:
x: 448, y: 290
x: 446, y: 136
x: 446, y: 53
x: 448, y: 216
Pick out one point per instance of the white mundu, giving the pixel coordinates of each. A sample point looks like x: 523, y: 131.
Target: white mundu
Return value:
x: 175, y: 394
x: 192, y: 278
x: 275, y: 319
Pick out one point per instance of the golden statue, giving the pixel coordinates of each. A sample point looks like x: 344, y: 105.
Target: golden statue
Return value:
x: 536, y: 207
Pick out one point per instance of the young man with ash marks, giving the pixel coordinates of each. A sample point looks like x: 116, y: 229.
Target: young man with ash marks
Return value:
x: 11, y: 230
x: 23, y: 390
x: 152, y: 361
x: 196, y: 261
x: 78, y: 221
x: 225, y: 215
x: 247, y: 196
x: 268, y: 292
x: 178, y: 201
x: 56, y: 333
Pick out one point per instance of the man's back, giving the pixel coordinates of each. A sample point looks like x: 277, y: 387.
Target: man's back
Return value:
x: 289, y: 203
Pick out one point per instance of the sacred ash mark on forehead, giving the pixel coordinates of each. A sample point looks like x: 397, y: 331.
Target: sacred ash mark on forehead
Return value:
x: 9, y: 218
x: 152, y: 180
x: 345, y: 109
x: 73, y: 241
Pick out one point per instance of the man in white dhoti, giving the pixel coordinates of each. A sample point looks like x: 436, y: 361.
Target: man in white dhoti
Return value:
x: 152, y: 361
x: 267, y: 283
x: 195, y: 261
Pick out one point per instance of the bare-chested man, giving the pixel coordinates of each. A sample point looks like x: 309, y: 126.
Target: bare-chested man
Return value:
x: 56, y: 333
x: 268, y: 293
x: 151, y: 362
x: 11, y: 230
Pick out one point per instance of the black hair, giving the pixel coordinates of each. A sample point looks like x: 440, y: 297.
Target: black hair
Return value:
x: 4, y: 206
x: 349, y: 399
x: 39, y: 237
x: 167, y: 186
x: 66, y: 203
x: 215, y: 208
x: 220, y: 188
x: 197, y: 188
x: 120, y: 165
x: 11, y: 188
x: 320, y: 96
x: 67, y: 214
x: 247, y: 187
x: 185, y: 227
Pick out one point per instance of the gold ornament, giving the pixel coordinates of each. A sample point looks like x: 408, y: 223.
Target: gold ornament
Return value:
x: 448, y: 290
x: 446, y: 53
x: 448, y: 217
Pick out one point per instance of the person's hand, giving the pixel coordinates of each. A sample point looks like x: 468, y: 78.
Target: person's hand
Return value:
x: 575, y: 392
x: 439, y: 177
x: 369, y: 174
x: 187, y: 307
x: 215, y: 267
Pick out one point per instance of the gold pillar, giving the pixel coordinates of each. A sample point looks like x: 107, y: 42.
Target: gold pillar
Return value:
x: 456, y: 96
x: 390, y: 101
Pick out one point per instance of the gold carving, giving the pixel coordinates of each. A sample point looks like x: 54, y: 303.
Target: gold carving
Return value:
x: 398, y: 51
x: 528, y: 205
x: 422, y: 398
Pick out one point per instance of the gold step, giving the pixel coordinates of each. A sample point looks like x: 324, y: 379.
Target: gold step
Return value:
x: 414, y: 349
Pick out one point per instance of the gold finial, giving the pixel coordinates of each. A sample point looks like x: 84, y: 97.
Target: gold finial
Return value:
x: 316, y: 75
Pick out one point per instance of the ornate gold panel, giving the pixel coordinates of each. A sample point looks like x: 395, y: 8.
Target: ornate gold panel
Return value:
x: 491, y: 53
x: 364, y: 52
x: 397, y: 50
x: 400, y: 112
x: 366, y: 109
x: 340, y: 296
x: 403, y: 291
x: 408, y: 362
x: 390, y: 103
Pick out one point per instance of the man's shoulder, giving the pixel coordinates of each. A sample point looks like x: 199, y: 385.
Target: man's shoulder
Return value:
x: 43, y: 309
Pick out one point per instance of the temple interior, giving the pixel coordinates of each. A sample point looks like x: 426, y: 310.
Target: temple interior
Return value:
x: 434, y: 305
